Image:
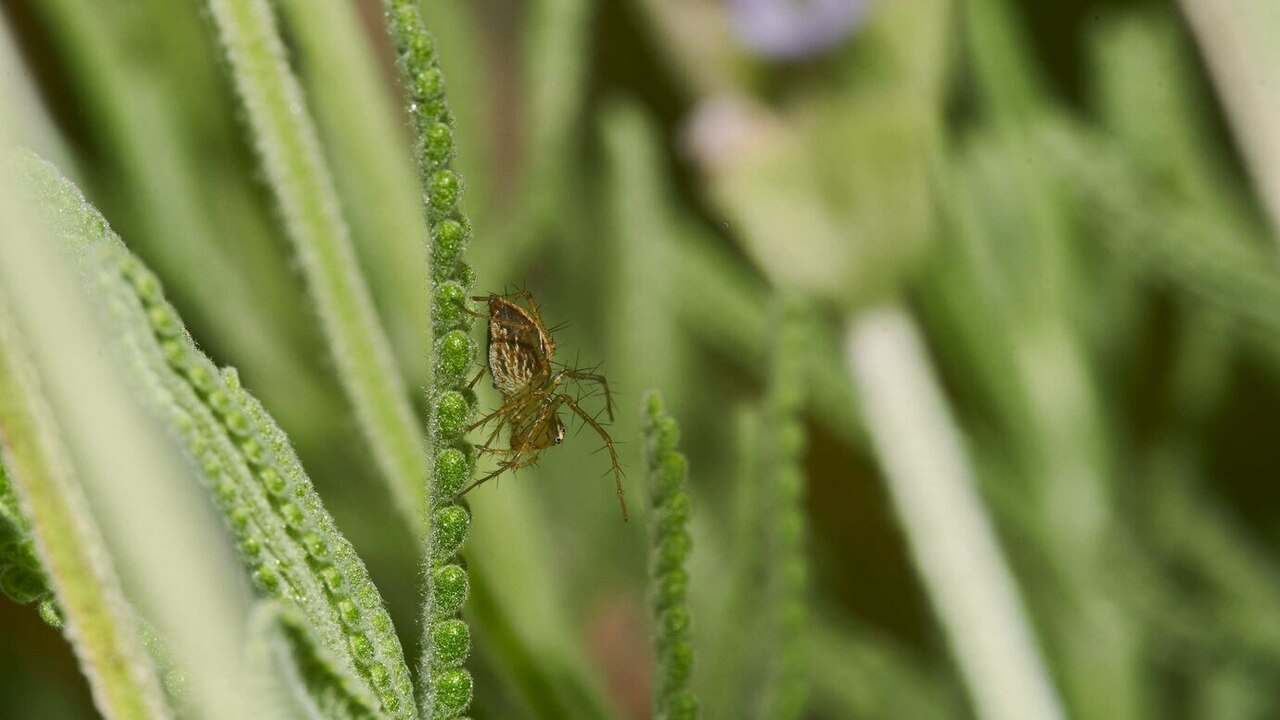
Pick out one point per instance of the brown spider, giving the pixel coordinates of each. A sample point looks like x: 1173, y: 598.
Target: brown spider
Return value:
x: 521, y: 350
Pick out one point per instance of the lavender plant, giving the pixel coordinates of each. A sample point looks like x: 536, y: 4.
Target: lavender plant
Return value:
x: 966, y: 311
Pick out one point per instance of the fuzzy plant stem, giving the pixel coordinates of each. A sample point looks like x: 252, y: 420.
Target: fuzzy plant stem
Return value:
x: 291, y: 156
x: 446, y: 641
x: 285, y: 537
x: 364, y: 138
x: 670, y: 544
x: 785, y: 687
x: 98, y: 619
x: 951, y: 539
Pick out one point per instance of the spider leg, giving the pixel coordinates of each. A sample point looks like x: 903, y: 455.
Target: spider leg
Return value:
x: 567, y: 399
x: 494, y: 435
x: 517, y: 461
x: 506, y: 408
x: 509, y: 465
x: 592, y: 377
x: 533, y: 306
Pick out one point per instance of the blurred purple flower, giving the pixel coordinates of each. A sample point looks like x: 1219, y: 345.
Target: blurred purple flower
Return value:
x: 793, y: 29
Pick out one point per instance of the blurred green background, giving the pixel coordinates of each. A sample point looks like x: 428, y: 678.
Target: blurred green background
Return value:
x: 1074, y: 202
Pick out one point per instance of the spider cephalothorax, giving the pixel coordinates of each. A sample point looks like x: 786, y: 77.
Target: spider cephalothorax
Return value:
x: 520, y: 362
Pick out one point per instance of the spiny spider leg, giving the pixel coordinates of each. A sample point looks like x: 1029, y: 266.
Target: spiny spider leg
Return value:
x: 493, y: 436
x: 513, y: 464
x: 593, y: 377
x: 508, y: 407
x: 545, y: 413
x: 567, y: 399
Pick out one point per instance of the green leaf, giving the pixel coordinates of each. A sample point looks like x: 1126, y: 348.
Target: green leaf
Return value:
x: 313, y: 687
x: 286, y: 538
x: 285, y: 138
x: 21, y: 577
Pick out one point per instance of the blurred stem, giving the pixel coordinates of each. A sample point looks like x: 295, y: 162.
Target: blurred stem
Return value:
x: 554, y: 91
x: 99, y: 621
x: 1237, y: 39
x: 782, y: 519
x: 951, y: 539
x: 1038, y: 268
x: 365, y: 142
x: 642, y: 327
x: 149, y: 152
x: 670, y: 546
x: 538, y: 640
x: 736, y: 664
x: 286, y: 140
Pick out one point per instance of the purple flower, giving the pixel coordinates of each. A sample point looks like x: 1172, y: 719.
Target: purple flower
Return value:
x: 794, y: 29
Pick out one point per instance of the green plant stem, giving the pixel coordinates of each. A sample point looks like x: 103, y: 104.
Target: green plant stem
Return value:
x: 670, y: 545
x: 447, y: 686
x: 364, y: 140
x: 783, y: 517
x: 286, y: 140
x: 99, y: 621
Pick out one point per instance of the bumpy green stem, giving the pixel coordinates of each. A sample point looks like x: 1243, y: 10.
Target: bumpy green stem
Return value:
x: 446, y: 641
x: 669, y: 574
x: 291, y: 156
x: 285, y: 536
x: 783, y: 485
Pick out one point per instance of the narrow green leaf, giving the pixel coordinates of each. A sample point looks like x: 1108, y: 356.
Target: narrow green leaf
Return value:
x: 285, y: 536
x: 314, y: 686
x: 99, y: 622
x: 38, y: 472
x: 285, y: 138
x: 364, y: 140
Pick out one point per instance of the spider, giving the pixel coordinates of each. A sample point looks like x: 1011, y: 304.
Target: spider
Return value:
x: 521, y: 350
